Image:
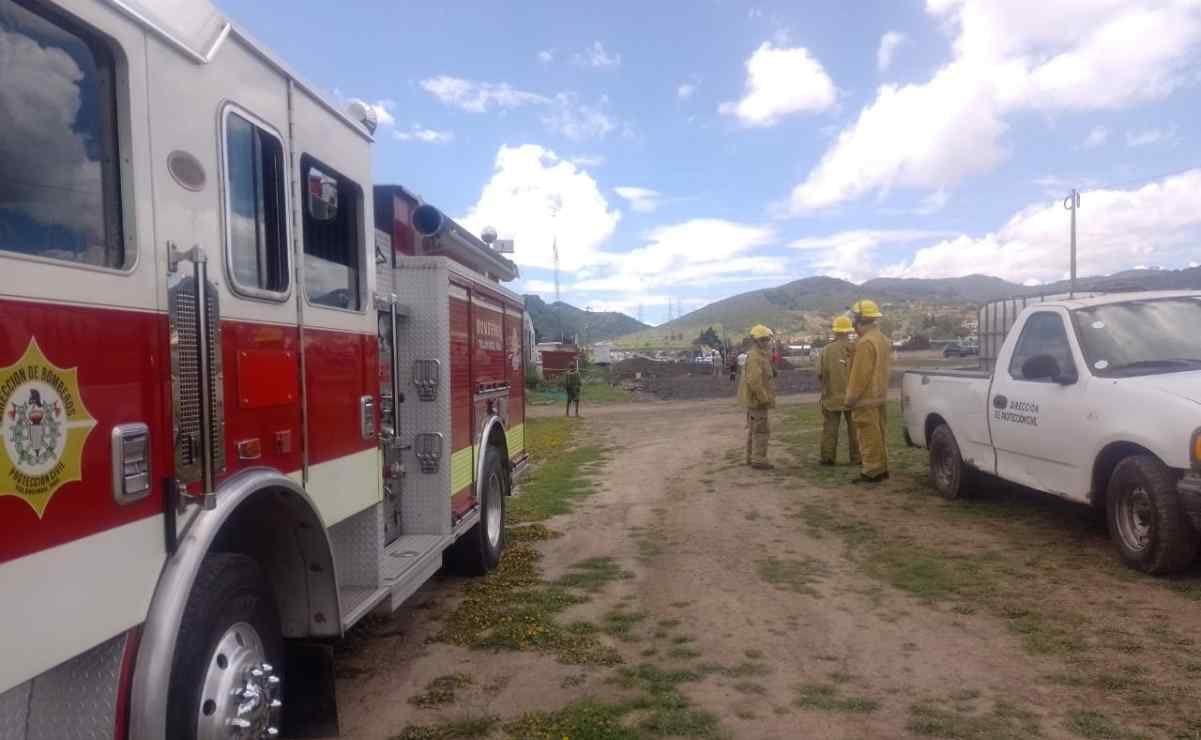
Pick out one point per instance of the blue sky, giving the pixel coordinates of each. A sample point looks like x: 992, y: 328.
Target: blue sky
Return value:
x: 684, y: 152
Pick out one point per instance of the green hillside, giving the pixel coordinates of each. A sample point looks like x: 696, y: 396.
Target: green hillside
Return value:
x: 553, y: 321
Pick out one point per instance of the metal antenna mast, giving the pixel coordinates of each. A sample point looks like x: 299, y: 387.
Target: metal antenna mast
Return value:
x: 1072, y: 203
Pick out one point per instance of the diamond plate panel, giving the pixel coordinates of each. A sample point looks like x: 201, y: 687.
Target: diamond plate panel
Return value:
x: 14, y: 710
x: 77, y: 700
x: 424, y: 283
x: 358, y: 541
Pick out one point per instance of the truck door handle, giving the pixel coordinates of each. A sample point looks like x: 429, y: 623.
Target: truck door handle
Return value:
x: 1000, y: 402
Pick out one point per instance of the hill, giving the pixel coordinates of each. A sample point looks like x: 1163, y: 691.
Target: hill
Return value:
x: 552, y: 320
x: 794, y: 307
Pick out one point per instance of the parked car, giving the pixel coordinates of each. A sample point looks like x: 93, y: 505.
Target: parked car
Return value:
x: 1094, y: 399
x: 960, y: 349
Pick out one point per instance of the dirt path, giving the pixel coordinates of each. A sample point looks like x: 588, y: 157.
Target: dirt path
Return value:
x: 787, y: 604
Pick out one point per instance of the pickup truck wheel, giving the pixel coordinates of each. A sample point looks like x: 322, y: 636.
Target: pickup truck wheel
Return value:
x: 477, y: 552
x: 947, y: 471
x: 1145, y: 518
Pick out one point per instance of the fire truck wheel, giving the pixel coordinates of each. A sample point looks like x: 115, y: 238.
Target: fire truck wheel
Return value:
x: 478, y: 552
x: 226, y: 678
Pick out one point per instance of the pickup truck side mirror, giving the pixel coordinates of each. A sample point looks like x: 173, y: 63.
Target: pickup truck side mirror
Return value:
x: 1040, y: 367
x: 1046, y: 367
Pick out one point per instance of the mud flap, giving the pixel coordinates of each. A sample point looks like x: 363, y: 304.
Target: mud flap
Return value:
x: 310, y: 701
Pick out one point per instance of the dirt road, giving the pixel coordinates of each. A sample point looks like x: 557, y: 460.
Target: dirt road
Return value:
x: 689, y: 596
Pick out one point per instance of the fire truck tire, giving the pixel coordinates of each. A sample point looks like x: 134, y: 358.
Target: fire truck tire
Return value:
x: 478, y: 552
x: 228, y: 665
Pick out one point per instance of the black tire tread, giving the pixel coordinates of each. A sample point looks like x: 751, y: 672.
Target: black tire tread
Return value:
x: 227, y: 581
x: 470, y: 556
x: 940, y: 438
x: 1175, y: 541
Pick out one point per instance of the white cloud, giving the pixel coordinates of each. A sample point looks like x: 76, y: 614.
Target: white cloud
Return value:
x: 534, y: 197
x: 1010, y: 56
x: 642, y: 200
x: 685, y: 90
x: 889, y: 43
x: 1096, y: 137
x: 577, y: 121
x: 422, y: 134
x: 1150, y: 136
x: 1157, y: 224
x: 546, y: 56
x: 588, y: 160
x: 781, y: 81
x: 865, y: 239
x: 478, y: 97
x: 596, y: 56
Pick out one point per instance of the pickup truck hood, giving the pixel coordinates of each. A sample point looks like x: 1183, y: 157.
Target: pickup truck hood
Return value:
x: 1181, y: 385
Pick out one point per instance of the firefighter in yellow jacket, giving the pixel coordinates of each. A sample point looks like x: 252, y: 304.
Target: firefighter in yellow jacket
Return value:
x: 757, y: 394
x: 867, y: 391
x: 833, y: 369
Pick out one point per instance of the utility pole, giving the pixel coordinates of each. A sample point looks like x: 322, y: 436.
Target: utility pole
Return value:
x: 1072, y: 203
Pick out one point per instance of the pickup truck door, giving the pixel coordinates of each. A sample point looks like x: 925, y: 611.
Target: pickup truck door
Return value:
x: 1038, y: 423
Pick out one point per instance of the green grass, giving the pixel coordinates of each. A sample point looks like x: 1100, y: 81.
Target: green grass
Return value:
x: 442, y: 690
x: 1096, y: 726
x: 620, y: 624
x: 1004, y: 722
x: 600, y: 393
x: 461, y: 728
x: 829, y: 698
x: 593, y: 574
x: 798, y: 576
x: 562, y: 473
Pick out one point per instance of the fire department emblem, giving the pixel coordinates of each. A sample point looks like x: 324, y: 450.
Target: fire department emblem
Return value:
x: 43, y: 427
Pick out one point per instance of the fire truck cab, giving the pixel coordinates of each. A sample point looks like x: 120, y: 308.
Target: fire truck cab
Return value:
x: 247, y: 397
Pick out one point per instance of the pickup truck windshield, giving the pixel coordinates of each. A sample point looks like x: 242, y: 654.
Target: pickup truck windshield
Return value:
x: 1141, y: 337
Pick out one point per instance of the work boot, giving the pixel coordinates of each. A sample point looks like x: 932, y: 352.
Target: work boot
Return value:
x: 869, y: 480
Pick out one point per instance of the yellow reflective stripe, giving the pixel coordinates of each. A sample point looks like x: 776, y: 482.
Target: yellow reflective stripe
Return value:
x: 515, y: 437
x: 462, y: 470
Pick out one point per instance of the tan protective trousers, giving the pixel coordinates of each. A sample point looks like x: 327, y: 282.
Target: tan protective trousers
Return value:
x: 831, y: 420
x: 870, y: 423
x: 757, y: 432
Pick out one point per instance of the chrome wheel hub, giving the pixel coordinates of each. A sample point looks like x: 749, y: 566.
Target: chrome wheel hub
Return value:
x: 492, y: 504
x: 240, y: 695
x: 1135, y: 517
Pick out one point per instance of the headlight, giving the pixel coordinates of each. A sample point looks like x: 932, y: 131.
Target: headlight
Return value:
x: 1195, y: 450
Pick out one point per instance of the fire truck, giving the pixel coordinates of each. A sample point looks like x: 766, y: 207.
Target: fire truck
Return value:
x: 248, y: 396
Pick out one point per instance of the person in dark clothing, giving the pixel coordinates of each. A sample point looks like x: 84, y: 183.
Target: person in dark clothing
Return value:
x: 571, y: 384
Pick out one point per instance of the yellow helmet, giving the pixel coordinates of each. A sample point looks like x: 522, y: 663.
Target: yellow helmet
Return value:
x: 759, y: 331
x: 842, y: 325
x: 866, y: 309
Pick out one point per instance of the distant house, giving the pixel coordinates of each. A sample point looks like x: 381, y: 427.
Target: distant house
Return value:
x: 557, y: 358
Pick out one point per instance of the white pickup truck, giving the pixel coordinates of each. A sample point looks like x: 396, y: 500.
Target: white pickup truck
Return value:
x: 1094, y: 398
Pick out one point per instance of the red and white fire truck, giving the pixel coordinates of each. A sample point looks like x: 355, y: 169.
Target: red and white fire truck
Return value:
x: 248, y: 397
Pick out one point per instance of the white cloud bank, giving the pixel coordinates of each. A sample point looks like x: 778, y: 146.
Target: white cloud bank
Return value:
x: 781, y: 81
x: 641, y: 200
x: 1010, y: 56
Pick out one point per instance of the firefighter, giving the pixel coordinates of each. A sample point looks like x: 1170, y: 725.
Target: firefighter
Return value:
x: 867, y: 391
x: 571, y: 384
x: 757, y: 394
x: 833, y: 367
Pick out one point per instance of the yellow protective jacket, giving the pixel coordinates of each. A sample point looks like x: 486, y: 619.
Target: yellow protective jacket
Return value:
x: 833, y: 370
x: 870, y: 366
x: 758, y: 388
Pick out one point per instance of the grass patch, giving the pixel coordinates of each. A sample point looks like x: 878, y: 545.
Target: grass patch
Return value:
x: 561, y: 475
x: 460, y: 728
x: 750, y: 687
x: 620, y: 624
x: 441, y: 690
x: 1004, y: 722
x: 683, y: 653
x: 536, y: 532
x: 797, y: 576
x: 593, y: 574
x: 746, y: 669
x: 1095, y: 725
x: 829, y: 698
